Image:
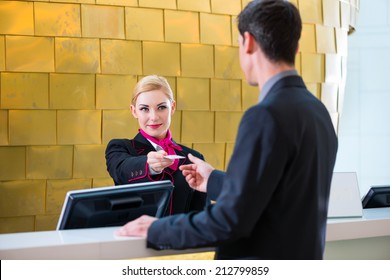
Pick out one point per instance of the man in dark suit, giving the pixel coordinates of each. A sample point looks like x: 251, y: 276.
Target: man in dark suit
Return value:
x: 272, y: 201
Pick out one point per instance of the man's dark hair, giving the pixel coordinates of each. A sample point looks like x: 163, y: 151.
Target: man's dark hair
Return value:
x: 276, y: 26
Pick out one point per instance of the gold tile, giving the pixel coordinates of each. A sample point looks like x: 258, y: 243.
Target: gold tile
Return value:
x: 75, y: 1
x: 74, y: 55
x: 32, y: 127
x: 326, y: 40
x: 161, y: 58
x: 17, y: 224
x: 53, y: 19
x: 22, y: 198
x: 57, y: 189
x: 2, y: 53
x: 250, y: 95
x: 225, y: 95
x: 329, y: 96
x: 72, y: 91
x: 193, y: 94
x: 103, y: 21
x: 118, y: 2
x: 29, y: 54
x: 235, y: 32
x: 197, y: 127
x: 311, y: 11
x: 121, y: 57
x: 313, y: 68
x: 16, y: 17
x: 231, y: 7
x: 197, y: 60
x: 49, y: 162
x: 24, y: 91
x: 229, y: 152
x: 118, y: 124
x: 307, y: 43
x: 176, y: 126
x: 214, y: 153
x: 144, y: 24
x: 226, y: 126
x: 166, y: 4
x: 4, y: 127
x: 181, y: 26
x: 295, y: 2
x: 227, y: 64
x: 298, y: 64
x: 332, y: 68
x: 102, y: 182
x: 191, y: 5
x: 315, y: 89
x: 114, y: 91
x: 46, y: 222
x: 12, y: 163
x: 84, y: 155
x: 79, y: 127
x: 331, y: 12
x: 245, y: 2
x: 215, y: 29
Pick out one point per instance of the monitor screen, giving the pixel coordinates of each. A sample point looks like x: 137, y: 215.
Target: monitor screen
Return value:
x: 377, y: 197
x: 115, y: 205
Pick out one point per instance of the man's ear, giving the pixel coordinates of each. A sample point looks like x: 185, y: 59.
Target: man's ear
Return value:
x: 249, y: 42
x: 133, y: 111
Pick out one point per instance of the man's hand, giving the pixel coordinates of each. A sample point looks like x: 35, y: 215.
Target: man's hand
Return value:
x: 197, y: 174
x: 138, y: 227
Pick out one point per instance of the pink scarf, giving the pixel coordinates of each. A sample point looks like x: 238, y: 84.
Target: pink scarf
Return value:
x: 166, y: 144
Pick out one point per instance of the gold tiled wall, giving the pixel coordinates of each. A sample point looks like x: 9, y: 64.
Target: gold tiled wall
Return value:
x: 67, y: 70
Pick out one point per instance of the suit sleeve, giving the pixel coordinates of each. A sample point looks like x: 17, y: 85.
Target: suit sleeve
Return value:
x: 251, y: 178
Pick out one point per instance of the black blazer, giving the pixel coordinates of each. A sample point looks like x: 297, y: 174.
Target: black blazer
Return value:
x: 272, y: 201
x: 126, y: 163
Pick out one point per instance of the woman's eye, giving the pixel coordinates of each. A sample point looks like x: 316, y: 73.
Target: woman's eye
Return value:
x: 144, y: 109
x: 162, y: 107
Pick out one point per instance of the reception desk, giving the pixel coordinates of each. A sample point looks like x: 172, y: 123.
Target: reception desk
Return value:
x: 367, y: 237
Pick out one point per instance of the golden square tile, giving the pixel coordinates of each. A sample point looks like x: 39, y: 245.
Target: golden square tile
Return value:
x: 118, y: 2
x: 191, y: 5
x: 307, y: 43
x: 79, y: 127
x: 102, y: 182
x: 192, y: 55
x: 332, y: 68
x: 118, y: 124
x: 225, y: 95
x: 227, y: 63
x: 17, y: 224
x: 161, y: 58
x: 32, y: 127
x: 2, y: 53
x: 84, y: 155
x: 298, y: 64
x: 114, y: 91
x: 16, y: 17
x: 329, y: 96
x: 295, y: 2
x: 103, y: 21
x: 22, y: 198
x: 52, y: 19
x: 12, y: 163
x: 73, y: 1
x: 331, y: 11
x: 315, y: 89
x: 193, y: 94
x: 77, y: 55
x: 57, y: 189
x: 144, y: 24
x: 229, y: 152
x: 250, y: 95
x: 197, y: 127
x: 326, y: 39
x: 215, y: 29
x: 29, y: 54
x: 231, y: 7
x: 214, y: 153
x: 313, y: 67
x: 176, y: 126
x: 4, y: 127
x: 311, y: 11
x: 72, y: 91
x: 46, y: 222
x: 49, y: 162
x: 121, y: 57
x: 235, y: 32
x: 24, y: 91
x: 166, y: 4
x: 181, y: 26
x: 226, y: 126
x: 245, y: 2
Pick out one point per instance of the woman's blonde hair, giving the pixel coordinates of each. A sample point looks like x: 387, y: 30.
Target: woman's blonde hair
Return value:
x: 149, y: 83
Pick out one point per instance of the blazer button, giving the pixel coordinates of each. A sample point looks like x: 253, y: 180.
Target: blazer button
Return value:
x: 136, y: 173
x: 132, y: 174
x: 140, y: 172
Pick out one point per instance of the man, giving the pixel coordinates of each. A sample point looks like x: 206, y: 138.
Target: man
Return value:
x: 272, y: 201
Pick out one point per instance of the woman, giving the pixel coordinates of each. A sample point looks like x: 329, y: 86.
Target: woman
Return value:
x: 149, y: 156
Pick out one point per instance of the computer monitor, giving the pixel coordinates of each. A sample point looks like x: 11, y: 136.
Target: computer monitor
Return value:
x: 114, y: 205
x: 376, y: 197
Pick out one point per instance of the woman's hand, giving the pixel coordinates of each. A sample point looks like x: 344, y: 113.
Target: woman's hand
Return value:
x: 157, y: 162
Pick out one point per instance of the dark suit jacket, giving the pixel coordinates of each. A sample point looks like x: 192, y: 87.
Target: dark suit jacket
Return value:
x: 126, y: 163
x: 272, y: 201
